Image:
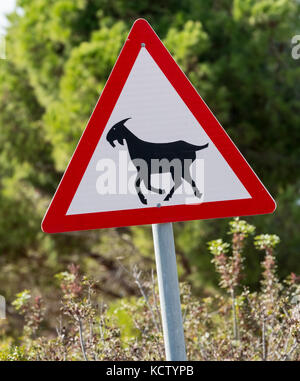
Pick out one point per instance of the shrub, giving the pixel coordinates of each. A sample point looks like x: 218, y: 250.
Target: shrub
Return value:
x: 235, y: 325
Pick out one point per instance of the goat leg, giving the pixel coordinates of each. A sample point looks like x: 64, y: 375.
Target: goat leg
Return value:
x: 138, y: 190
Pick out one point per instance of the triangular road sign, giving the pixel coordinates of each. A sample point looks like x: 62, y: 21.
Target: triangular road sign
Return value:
x: 149, y: 111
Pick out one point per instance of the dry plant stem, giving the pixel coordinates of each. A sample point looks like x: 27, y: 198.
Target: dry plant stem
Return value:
x: 136, y: 275
x: 137, y: 281
x: 158, y: 325
x: 101, y: 323
x: 287, y: 343
x: 294, y: 347
x: 90, y: 320
x: 184, y: 315
x: 61, y: 333
x: 264, y: 344
x: 155, y: 301
x: 235, y: 321
x: 82, y: 344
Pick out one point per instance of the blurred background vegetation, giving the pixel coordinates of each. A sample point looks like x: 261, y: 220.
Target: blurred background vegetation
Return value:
x: 237, y: 53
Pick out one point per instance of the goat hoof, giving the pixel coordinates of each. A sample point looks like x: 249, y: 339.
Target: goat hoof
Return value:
x: 143, y: 199
x: 198, y: 194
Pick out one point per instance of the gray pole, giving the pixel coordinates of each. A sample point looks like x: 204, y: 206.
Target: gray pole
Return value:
x: 169, y: 291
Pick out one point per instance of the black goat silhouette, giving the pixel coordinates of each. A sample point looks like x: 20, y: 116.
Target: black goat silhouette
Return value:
x: 181, y: 152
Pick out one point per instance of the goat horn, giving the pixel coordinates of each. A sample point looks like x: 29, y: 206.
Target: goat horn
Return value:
x: 124, y: 120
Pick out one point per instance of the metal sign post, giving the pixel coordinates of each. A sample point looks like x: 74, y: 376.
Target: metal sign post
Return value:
x: 169, y: 291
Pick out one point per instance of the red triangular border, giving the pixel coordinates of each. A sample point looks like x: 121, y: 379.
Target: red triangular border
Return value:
x: 56, y: 219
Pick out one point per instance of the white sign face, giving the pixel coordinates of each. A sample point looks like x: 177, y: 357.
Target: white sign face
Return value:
x: 152, y: 152
x: 157, y: 115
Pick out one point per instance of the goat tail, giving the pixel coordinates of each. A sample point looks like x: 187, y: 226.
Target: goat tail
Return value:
x: 198, y: 148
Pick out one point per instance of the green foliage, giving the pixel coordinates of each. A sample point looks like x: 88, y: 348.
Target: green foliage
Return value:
x: 123, y: 314
x: 217, y: 246
x: 89, y: 64
x: 13, y: 353
x: 22, y: 300
x: 32, y: 310
x: 238, y: 226
x: 188, y: 44
x: 264, y: 241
